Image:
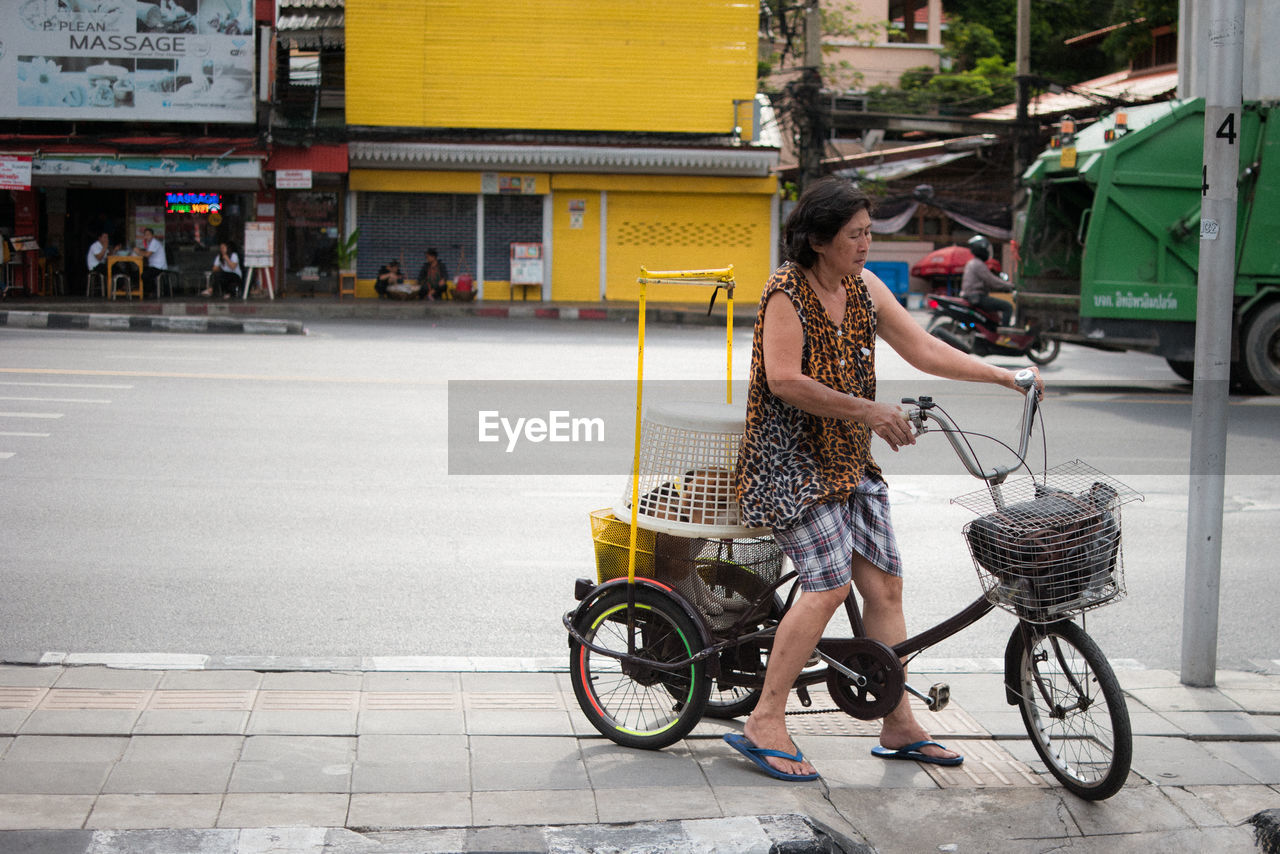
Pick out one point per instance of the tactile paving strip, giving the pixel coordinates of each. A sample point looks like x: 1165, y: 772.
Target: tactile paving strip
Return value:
x: 951, y: 722
x: 20, y: 698
x: 987, y: 765
x: 412, y: 701
x: 308, y: 701
x: 85, y: 699
x: 202, y: 701
x: 511, y: 700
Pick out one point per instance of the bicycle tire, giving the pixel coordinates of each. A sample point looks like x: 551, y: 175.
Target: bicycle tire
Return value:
x: 633, y: 704
x: 731, y: 581
x: 1073, y: 708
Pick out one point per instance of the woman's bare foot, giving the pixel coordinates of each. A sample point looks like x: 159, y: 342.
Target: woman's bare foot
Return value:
x: 774, y: 736
x: 897, y: 738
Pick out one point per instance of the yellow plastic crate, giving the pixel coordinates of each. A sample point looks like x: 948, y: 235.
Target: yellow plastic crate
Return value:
x: 612, y: 539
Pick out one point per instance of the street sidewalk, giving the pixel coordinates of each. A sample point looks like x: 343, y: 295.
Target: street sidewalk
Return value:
x: 192, y: 754
x: 289, y: 316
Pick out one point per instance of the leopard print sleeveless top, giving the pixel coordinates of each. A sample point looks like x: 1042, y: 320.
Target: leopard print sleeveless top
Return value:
x: 790, y: 459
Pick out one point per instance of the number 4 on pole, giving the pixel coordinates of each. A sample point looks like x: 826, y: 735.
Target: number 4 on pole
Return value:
x: 1227, y: 130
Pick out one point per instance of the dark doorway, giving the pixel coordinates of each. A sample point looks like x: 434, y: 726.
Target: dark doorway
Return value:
x: 90, y: 213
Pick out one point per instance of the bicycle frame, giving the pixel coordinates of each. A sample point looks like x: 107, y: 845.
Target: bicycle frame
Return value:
x: 921, y: 412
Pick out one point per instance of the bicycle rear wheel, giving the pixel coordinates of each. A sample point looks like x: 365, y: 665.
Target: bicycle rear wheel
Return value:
x: 1072, y: 707
x: 736, y: 589
x: 632, y: 703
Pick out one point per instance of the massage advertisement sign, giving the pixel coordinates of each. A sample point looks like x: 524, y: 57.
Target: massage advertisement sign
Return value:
x: 127, y: 60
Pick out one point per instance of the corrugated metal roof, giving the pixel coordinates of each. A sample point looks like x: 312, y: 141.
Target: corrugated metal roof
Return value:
x: 309, y: 21
x: 1131, y: 87
x: 288, y: 5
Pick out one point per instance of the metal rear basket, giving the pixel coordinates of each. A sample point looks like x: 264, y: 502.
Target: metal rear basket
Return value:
x: 719, y: 576
x: 1051, y: 547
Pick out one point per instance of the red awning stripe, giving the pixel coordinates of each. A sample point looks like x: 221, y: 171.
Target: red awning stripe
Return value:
x: 317, y: 158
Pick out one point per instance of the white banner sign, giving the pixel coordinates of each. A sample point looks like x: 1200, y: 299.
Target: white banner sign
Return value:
x: 127, y: 60
x: 293, y: 179
x: 15, y: 173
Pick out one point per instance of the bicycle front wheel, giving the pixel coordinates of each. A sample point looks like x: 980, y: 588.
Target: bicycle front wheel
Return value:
x: 629, y: 701
x: 1072, y: 707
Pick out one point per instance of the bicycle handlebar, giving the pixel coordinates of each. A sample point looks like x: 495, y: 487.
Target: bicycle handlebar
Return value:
x: 922, y: 410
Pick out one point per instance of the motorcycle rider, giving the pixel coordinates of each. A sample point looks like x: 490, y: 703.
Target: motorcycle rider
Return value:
x: 977, y: 281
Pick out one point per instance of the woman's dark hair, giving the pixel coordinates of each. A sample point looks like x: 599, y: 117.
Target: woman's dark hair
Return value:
x: 824, y: 208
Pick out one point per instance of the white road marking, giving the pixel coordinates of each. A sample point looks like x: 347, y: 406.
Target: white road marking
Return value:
x: 58, y: 399
x: 69, y: 385
x: 31, y: 414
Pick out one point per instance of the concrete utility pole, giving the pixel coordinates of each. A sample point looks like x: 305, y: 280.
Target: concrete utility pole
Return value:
x: 1022, y: 76
x: 809, y: 94
x: 1223, y: 30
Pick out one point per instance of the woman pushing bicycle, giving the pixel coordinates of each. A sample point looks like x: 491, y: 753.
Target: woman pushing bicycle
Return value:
x: 805, y: 467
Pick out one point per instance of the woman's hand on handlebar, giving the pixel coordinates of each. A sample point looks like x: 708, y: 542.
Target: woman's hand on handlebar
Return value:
x: 890, y: 422
x: 1018, y: 380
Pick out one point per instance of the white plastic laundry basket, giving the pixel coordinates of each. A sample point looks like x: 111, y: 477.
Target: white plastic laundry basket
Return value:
x: 688, y: 453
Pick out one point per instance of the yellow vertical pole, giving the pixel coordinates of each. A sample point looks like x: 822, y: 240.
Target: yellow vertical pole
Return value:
x: 728, y: 382
x: 635, y: 459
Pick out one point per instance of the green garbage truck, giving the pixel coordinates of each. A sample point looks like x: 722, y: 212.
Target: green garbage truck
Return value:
x: 1109, y: 234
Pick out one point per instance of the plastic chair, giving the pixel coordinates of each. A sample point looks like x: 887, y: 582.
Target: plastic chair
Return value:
x: 167, y: 279
x: 96, y: 282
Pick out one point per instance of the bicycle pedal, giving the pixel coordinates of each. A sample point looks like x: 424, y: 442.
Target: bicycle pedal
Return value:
x: 939, y: 696
x: 803, y: 693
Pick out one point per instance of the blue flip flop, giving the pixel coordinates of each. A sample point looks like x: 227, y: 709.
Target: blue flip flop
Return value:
x: 913, y: 752
x: 741, y: 744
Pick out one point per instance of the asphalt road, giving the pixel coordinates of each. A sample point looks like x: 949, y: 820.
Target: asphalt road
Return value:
x: 292, y: 496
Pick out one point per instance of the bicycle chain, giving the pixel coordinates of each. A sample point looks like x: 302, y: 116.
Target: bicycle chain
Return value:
x: 815, y: 711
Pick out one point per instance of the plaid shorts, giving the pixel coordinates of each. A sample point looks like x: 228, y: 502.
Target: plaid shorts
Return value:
x: 822, y: 542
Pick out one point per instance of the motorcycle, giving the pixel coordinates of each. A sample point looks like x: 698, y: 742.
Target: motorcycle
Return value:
x: 972, y: 330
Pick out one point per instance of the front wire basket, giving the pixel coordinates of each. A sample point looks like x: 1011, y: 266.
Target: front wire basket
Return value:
x: 1048, y: 547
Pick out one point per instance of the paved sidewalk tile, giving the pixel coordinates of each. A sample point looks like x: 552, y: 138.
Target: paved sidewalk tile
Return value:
x: 391, y: 810
x: 53, y: 748
x: 108, y: 679
x: 53, y: 778
x: 276, y: 776
x: 174, y: 776
x: 1260, y: 760
x: 283, y: 810
x: 655, y: 803
x: 40, y: 812
x: 611, y: 766
x: 57, y: 722
x: 298, y: 748
x: 533, y: 807
x: 210, y: 680
x: 134, y: 811
x: 14, y: 675
x: 1177, y: 761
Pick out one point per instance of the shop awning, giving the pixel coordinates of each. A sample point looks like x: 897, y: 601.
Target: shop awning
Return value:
x: 159, y: 172
x: 317, y: 158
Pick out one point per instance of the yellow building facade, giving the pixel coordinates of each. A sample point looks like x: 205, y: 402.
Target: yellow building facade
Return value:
x: 613, y: 135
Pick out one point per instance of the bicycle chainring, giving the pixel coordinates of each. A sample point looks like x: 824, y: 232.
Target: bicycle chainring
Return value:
x: 882, y: 670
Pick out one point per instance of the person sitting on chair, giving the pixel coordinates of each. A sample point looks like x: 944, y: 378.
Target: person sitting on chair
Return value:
x: 227, y: 276
x: 154, y: 263
x: 96, y: 259
x: 978, y: 281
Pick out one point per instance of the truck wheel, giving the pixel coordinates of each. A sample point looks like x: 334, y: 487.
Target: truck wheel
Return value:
x: 1185, y: 368
x: 1261, y: 349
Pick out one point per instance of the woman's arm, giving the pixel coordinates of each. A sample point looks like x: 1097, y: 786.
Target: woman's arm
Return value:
x: 783, y: 351
x: 922, y: 350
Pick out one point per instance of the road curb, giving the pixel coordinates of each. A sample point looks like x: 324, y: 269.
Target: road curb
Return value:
x: 792, y: 834
x: 149, y: 323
